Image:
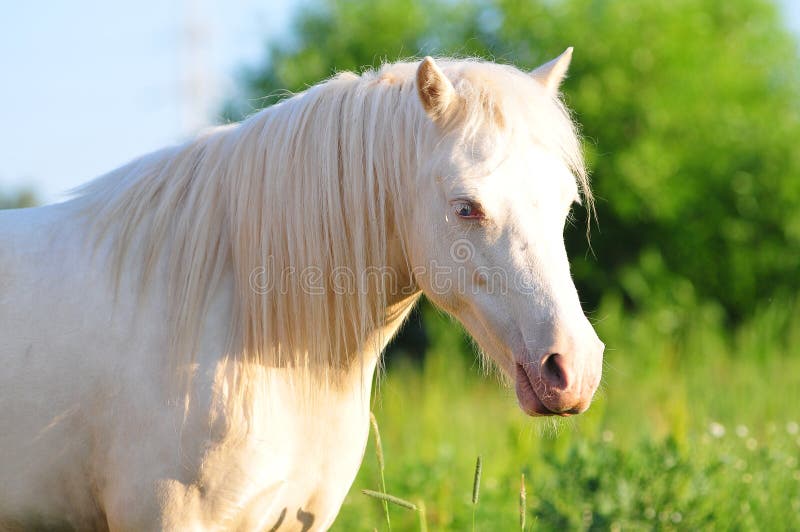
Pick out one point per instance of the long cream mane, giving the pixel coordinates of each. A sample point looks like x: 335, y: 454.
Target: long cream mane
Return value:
x: 319, y: 183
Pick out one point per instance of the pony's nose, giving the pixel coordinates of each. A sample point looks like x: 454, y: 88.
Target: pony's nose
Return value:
x: 569, y: 378
x: 555, y: 373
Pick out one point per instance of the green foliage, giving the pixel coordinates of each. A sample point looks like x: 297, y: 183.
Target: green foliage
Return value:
x: 689, y: 108
x: 692, y: 152
x: 687, y: 433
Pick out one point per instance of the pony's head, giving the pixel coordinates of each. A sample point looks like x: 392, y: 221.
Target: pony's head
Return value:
x: 499, y: 172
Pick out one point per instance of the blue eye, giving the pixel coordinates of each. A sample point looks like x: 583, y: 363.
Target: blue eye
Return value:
x: 467, y: 209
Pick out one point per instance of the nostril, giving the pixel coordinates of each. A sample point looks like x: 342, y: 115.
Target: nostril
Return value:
x: 553, y: 371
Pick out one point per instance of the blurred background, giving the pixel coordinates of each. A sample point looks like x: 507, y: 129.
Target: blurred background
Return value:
x: 689, y: 110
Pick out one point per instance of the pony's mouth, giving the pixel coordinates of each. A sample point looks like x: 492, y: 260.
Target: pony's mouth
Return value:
x: 529, y: 400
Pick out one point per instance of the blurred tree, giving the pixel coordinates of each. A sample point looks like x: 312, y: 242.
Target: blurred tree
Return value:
x: 689, y: 107
x: 17, y: 200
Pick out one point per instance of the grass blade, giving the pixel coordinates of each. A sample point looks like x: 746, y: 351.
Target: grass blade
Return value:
x: 390, y: 498
x: 476, y: 481
x: 381, y: 464
x: 423, y: 516
x: 476, y: 489
x: 378, y: 445
x: 522, y: 502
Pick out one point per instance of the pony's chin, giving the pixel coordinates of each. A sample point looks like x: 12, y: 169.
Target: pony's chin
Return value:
x: 527, y: 398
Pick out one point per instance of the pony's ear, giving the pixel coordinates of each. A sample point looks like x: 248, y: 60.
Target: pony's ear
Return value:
x: 435, y: 90
x: 552, y: 73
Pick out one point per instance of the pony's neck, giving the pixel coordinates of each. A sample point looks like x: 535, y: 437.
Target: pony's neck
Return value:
x: 402, y: 293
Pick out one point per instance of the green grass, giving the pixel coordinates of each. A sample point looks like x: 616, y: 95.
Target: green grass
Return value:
x: 695, y: 427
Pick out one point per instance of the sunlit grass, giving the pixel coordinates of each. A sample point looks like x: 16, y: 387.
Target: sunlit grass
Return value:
x: 695, y: 427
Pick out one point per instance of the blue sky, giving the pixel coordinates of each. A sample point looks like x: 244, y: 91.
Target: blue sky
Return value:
x: 89, y: 84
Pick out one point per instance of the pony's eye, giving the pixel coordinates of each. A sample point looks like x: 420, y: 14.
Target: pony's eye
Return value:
x: 467, y: 209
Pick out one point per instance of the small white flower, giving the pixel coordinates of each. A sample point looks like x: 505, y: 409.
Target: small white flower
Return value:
x: 608, y: 436
x: 742, y: 431
x: 792, y: 427
x: 716, y: 429
x: 751, y: 444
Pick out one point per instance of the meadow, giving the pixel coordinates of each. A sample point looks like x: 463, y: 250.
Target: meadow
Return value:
x: 696, y: 426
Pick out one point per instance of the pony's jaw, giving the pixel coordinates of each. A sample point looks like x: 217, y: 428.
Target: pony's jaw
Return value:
x: 559, y: 378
